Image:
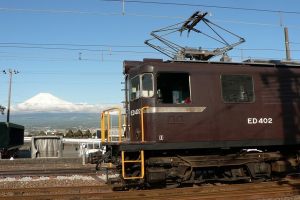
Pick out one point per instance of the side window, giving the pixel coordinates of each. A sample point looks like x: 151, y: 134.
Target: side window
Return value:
x: 147, y: 85
x: 237, y: 88
x: 173, y: 88
x: 134, y: 88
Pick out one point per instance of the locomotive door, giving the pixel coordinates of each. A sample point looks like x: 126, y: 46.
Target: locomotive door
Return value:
x: 140, y: 94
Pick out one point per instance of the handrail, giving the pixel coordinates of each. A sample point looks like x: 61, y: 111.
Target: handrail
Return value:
x: 142, y: 122
x: 106, y: 114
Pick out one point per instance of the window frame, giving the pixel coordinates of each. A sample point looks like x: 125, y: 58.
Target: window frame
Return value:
x: 142, y: 85
x: 238, y: 102
x: 189, y: 85
x: 139, y: 92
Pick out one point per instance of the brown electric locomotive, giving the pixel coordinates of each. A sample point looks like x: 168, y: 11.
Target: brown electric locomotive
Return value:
x: 194, y: 122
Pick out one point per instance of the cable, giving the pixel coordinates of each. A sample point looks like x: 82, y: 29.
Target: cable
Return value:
x: 208, y: 6
x: 34, y: 46
x: 68, y: 44
x: 135, y: 15
x: 44, y: 46
x: 55, y: 11
x: 73, y: 49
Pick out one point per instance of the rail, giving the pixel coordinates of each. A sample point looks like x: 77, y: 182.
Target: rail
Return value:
x: 106, y: 124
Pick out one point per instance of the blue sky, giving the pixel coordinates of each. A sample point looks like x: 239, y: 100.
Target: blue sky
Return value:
x: 74, y: 49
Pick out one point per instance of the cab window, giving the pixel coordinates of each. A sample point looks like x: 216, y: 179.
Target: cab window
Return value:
x: 173, y: 88
x: 135, y: 88
x: 147, y: 85
x: 141, y: 86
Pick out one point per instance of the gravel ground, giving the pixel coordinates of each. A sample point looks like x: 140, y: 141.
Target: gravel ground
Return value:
x: 45, y: 181
x: 37, y: 182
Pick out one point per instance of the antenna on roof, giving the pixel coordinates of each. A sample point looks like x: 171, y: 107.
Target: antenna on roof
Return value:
x: 177, y: 52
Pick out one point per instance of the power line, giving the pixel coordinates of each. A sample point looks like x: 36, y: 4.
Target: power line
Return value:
x: 75, y: 45
x: 207, y: 6
x: 72, y: 49
x: 54, y: 11
x: 137, y: 15
x: 44, y: 47
x: 105, y: 60
x: 121, y: 60
x: 26, y: 10
x: 108, y: 53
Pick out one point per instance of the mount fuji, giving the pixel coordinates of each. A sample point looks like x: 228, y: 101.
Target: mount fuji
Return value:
x: 46, y: 102
x: 46, y: 110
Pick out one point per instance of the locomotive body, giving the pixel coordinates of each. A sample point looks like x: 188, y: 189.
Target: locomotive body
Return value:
x: 215, y: 105
x: 191, y: 122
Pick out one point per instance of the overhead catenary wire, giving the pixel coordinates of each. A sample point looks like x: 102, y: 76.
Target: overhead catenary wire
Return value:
x: 73, y: 49
x: 207, y: 6
x: 49, y: 11
x: 44, y: 46
x: 69, y: 44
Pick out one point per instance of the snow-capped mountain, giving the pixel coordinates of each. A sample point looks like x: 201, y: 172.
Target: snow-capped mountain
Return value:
x: 46, y: 102
x: 46, y: 110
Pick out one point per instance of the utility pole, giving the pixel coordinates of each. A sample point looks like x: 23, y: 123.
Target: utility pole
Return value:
x: 287, y: 44
x: 10, y: 72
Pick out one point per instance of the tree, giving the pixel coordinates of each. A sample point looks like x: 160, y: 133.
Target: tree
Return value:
x: 59, y: 134
x: 69, y: 134
x: 42, y: 133
x: 2, y: 108
x: 87, y: 134
x: 78, y: 134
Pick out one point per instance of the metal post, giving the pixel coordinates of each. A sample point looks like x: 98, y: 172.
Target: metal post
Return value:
x: 123, y: 7
x: 11, y: 72
x: 83, y: 153
x: 9, y: 96
x: 287, y: 44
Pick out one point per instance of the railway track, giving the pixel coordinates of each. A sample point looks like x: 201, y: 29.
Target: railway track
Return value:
x: 46, y: 172
x: 44, y: 167
x: 251, y: 191
x: 68, y: 192
x: 286, y: 190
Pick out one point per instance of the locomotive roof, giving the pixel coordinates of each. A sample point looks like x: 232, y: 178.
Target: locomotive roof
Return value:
x: 250, y: 62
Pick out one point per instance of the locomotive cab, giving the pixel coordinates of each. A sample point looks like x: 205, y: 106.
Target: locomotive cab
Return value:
x: 140, y: 94
x: 163, y: 95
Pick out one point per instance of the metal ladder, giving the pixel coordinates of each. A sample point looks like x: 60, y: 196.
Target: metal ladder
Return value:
x: 141, y: 159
